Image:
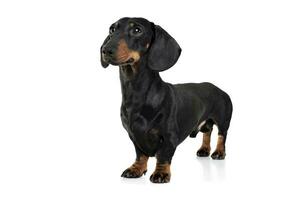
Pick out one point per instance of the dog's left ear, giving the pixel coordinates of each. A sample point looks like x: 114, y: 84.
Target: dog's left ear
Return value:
x: 103, y: 62
x: 164, y: 51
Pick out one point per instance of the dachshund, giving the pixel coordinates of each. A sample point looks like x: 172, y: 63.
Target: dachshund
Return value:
x: 158, y: 115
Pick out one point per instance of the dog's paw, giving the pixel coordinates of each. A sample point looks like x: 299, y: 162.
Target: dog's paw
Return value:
x: 132, y: 173
x: 218, y: 155
x: 160, y: 177
x: 203, y: 152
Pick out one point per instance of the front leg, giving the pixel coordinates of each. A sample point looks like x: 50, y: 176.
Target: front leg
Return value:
x: 138, y: 168
x: 162, y: 172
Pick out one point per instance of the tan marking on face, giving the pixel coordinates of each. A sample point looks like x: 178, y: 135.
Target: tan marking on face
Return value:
x: 124, y: 53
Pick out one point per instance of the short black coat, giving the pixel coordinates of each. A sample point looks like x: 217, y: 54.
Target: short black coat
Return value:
x: 157, y: 115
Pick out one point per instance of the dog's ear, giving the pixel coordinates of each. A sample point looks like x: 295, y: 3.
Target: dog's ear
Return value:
x: 164, y: 51
x: 103, y: 62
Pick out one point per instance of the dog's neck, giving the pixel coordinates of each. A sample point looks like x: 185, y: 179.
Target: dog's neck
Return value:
x: 136, y: 82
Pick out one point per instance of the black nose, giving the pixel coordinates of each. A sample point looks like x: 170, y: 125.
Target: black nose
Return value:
x: 107, y: 51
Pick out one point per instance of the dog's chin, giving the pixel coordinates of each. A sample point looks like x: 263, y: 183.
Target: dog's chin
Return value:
x: 129, y: 62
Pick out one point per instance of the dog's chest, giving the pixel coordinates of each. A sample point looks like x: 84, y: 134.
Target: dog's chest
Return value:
x: 142, y: 128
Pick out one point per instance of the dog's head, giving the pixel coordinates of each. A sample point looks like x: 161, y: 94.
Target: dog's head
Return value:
x: 132, y: 39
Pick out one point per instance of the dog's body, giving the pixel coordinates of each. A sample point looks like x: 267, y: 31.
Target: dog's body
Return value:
x: 157, y: 115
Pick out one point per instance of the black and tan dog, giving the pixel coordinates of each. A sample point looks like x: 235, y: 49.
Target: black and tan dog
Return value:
x: 157, y: 115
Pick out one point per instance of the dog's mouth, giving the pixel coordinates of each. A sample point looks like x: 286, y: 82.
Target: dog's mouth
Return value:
x: 129, y: 61
x: 112, y: 61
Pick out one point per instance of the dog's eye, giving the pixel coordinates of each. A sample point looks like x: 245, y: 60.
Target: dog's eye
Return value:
x: 112, y: 30
x: 136, y: 31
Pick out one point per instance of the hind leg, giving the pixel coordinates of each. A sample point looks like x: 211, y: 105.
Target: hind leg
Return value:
x: 220, y: 151
x: 204, y: 151
x: 222, y: 121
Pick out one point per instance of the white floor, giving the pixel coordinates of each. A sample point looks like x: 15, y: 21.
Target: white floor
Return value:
x: 87, y: 164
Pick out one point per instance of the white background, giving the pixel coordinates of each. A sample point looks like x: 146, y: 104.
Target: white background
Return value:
x: 60, y: 132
